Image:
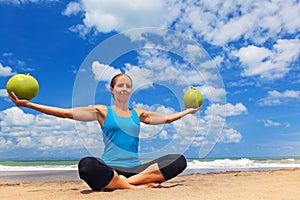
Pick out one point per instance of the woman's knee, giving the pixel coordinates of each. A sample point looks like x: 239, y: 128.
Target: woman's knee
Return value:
x: 176, y: 159
x: 86, y: 165
x: 181, y: 161
x: 94, y: 172
x: 173, y: 165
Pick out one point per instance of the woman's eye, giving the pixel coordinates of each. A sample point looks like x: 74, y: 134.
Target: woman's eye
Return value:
x: 128, y: 86
x: 122, y: 85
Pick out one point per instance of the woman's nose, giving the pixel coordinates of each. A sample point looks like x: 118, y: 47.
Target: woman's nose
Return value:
x: 125, y: 87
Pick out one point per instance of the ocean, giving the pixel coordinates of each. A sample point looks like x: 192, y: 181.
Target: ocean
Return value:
x: 50, y: 170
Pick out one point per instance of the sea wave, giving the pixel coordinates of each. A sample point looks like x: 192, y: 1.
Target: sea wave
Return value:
x: 244, y: 163
x: 196, y: 165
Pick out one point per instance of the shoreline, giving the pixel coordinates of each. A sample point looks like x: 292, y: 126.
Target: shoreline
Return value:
x: 44, y: 176
x: 231, y: 185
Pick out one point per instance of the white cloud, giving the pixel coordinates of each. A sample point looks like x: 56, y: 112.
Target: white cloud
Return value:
x: 277, y: 98
x: 25, y: 142
x: 211, y: 63
x: 163, y: 135
x: 141, y: 77
x: 3, y: 93
x: 118, y: 15
x: 157, y: 67
x: 73, y: 8
x: 5, y: 144
x: 290, y: 10
x: 215, y: 115
x: 285, y: 94
x: 80, y: 29
x: 15, y: 117
x: 6, y: 71
x: 222, y: 22
x: 151, y: 132
x: 226, y: 110
x: 212, y: 94
x: 231, y: 136
x: 194, y: 52
x: 42, y: 132
x: 269, y: 63
x: 270, y: 123
x: 103, y: 72
x: 20, y: 2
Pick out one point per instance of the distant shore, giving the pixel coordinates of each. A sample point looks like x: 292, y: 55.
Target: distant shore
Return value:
x: 260, y: 184
x: 13, y: 177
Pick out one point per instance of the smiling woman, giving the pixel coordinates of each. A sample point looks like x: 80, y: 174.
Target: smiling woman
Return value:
x: 122, y: 88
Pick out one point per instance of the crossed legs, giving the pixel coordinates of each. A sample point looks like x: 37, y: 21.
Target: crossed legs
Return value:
x: 98, y: 175
x: 151, y: 177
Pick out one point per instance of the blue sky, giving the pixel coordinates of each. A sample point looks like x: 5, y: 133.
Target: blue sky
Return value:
x: 243, y: 56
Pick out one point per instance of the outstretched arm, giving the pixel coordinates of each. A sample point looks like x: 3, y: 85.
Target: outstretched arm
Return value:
x: 80, y: 113
x: 158, y: 118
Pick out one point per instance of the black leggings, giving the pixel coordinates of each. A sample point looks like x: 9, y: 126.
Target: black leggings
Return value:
x: 97, y: 174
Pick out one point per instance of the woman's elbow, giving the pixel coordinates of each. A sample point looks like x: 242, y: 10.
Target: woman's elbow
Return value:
x: 68, y: 114
x: 168, y: 121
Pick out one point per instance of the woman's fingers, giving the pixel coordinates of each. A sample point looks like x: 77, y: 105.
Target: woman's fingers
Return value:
x: 12, y: 96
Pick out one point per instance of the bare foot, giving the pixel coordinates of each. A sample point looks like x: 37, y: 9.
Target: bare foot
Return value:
x: 146, y: 185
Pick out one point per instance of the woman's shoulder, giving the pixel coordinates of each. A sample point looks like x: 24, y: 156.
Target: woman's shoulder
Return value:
x: 102, y: 112
x: 139, y: 111
x: 101, y: 108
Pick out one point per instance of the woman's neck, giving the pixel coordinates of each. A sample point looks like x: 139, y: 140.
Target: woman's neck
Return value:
x: 121, y: 106
x: 121, y: 110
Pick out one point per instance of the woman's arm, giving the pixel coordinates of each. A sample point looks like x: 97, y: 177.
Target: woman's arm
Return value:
x: 158, y: 118
x: 80, y: 113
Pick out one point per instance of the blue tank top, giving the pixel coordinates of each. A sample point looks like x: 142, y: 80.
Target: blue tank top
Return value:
x: 121, y: 139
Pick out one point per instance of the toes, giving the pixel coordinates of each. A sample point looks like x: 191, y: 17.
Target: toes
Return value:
x: 157, y: 185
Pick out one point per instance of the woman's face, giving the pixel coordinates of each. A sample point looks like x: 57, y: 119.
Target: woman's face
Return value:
x: 122, y: 88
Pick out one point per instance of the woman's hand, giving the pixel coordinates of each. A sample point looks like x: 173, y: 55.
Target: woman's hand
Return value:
x: 18, y: 102
x: 192, y: 110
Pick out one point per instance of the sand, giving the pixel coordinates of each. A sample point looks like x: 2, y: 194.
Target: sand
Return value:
x: 266, y: 184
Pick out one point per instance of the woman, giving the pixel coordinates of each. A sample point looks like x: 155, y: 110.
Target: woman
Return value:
x: 119, y: 167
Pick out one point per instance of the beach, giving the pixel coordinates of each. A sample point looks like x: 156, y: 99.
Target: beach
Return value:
x: 240, y: 185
